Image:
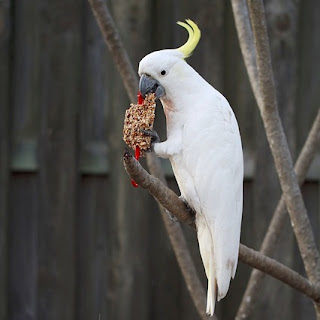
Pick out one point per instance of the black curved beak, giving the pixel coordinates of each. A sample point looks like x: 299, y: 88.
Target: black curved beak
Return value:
x: 149, y: 85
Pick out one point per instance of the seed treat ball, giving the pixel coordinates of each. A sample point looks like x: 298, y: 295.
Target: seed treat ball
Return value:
x: 137, y: 117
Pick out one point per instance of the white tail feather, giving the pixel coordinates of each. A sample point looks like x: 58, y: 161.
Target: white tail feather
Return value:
x: 212, y: 291
x: 212, y: 284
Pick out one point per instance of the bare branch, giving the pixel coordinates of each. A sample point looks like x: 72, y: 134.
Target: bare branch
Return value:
x: 176, y: 235
x: 279, y: 147
x: 279, y: 217
x: 279, y: 271
x: 244, y: 31
x: 186, y: 265
x: 129, y: 78
x: 272, y: 124
x: 241, y: 16
x: 112, y: 39
x: 249, y: 256
x: 167, y: 199
x: 165, y: 196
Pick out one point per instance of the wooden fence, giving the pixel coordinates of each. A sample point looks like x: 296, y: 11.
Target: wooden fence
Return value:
x: 76, y: 240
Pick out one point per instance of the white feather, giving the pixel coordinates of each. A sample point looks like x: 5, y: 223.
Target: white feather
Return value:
x: 204, y: 147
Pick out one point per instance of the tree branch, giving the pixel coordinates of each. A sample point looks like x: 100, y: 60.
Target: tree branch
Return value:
x: 279, y: 147
x: 130, y: 80
x: 118, y: 52
x: 270, y: 240
x: 158, y: 188
x: 245, y: 36
x: 165, y: 196
x: 266, y: 99
x: 249, y: 256
x: 242, y: 21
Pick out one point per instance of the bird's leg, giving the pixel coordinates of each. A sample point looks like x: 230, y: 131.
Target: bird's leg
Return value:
x: 186, y: 204
x: 154, y: 137
x: 172, y: 216
x: 164, y: 149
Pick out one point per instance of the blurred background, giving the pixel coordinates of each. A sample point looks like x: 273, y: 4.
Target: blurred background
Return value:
x: 77, y: 241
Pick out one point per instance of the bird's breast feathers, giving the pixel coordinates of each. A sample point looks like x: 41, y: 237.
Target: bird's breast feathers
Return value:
x: 210, y: 153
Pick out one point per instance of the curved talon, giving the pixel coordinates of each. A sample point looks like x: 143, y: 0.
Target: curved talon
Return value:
x: 186, y: 204
x: 154, y: 137
x: 151, y: 133
x: 171, y: 216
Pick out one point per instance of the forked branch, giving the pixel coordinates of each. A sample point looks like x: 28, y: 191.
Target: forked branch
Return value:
x: 249, y: 256
x: 264, y: 92
x: 278, y: 144
x: 270, y: 240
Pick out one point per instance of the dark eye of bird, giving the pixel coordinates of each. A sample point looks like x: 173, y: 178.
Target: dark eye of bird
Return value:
x: 163, y: 72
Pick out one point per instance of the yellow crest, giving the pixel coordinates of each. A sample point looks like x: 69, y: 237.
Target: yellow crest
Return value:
x: 194, y: 37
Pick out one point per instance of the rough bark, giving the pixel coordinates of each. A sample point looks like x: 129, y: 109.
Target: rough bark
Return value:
x: 277, y: 222
x: 279, y: 147
x: 247, y: 255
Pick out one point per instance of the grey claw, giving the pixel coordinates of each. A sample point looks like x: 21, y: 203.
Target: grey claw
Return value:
x: 171, y: 216
x: 153, y: 134
x: 186, y: 203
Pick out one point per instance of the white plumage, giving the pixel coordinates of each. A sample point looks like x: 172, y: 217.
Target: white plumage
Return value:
x: 204, y: 147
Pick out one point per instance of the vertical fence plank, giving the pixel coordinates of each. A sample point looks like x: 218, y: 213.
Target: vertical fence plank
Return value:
x: 22, y: 287
x: 308, y: 44
x: 129, y: 213
x: 302, y: 306
x: 59, y: 92
x: 23, y: 239
x: 308, y: 97
x: 168, y: 305
x: 4, y: 147
x: 168, y: 280
x: 94, y: 98
x: 93, y: 254
x: 209, y: 59
x: 93, y: 228
x: 25, y: 83
x: 239, y: 94
x: 282, y: 17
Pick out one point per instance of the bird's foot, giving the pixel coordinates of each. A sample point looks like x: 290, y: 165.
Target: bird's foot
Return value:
x: 154, y: 137
x: 186, y: 204
x: 171, y: 216
x: 189, y: 209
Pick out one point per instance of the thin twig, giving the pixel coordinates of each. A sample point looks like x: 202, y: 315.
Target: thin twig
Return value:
x: 130, y: 80
x: 270, y: 240
x: 279, y: 147
x: 249, y: 256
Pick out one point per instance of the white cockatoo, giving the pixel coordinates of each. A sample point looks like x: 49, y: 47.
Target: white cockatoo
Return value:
x: 204, y: 147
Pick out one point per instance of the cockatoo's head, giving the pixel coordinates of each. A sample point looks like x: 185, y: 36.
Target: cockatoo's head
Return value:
x: 159, y: 70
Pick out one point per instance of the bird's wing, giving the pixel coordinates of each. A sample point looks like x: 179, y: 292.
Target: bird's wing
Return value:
x: 215, y: 162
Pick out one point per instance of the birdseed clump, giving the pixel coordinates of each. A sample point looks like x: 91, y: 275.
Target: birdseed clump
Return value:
x: 137, y: 117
